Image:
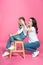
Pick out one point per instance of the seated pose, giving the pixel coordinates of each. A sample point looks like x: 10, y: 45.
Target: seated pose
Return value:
x: 33, y: 42
x: 20, y: 35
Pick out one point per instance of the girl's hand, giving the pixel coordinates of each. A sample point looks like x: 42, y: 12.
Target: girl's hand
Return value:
x: 10, y: 35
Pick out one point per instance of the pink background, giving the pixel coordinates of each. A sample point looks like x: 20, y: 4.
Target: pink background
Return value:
x: 11, y: 10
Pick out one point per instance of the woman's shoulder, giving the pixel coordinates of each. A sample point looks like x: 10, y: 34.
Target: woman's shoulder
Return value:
x: 33, y: 28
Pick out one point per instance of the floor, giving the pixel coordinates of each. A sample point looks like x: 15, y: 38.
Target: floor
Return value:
x: 17, y: 58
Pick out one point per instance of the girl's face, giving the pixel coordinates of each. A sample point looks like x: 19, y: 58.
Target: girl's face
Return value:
x: 30, y: 22
x: 19, y: 22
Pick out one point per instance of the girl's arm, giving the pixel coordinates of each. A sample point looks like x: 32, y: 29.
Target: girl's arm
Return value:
x: 18, y: 32
x: 13, y: 34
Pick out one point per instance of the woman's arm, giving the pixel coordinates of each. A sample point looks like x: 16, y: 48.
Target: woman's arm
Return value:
x: 27, y: 29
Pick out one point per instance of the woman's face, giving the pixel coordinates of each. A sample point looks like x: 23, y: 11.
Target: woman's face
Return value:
x: 30, y: 22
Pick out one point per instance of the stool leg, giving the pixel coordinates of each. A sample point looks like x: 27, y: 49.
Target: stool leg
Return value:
x: 23, y: 51
x: 10, y: 53
x: 15, y: 45
x: 24, y: 54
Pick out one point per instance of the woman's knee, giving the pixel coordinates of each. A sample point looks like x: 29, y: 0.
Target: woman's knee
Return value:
x: 25, y: 45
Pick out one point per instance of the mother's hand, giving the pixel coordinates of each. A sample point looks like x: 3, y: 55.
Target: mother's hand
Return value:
x: 22, y: 21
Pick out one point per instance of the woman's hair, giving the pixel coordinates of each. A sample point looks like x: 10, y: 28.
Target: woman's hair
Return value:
x: 23, y: 20
x: 34, y: 23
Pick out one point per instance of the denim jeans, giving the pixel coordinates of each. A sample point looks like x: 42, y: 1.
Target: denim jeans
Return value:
x: 15, y: 37
x: 32, y: 46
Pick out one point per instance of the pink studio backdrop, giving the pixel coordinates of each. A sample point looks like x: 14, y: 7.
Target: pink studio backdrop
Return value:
x: 11, y: 10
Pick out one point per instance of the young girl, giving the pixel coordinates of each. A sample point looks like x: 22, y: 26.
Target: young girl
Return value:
x: 20, y: 35
x: 33, y: 42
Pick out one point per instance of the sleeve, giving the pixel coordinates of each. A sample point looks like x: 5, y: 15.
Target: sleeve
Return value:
x: 20, y: 31
x: 33, y: 29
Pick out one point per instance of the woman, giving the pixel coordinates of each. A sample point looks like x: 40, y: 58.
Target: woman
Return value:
x: 33, y: 42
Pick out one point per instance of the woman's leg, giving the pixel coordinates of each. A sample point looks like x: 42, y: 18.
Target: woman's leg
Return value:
x: 31, y: 46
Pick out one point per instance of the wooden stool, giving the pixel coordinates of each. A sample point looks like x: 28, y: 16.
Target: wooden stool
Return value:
x: 15, y: 50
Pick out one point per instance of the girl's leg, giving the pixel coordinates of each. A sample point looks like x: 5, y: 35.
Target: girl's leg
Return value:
x: 19, y: 36
x: 13, y: 38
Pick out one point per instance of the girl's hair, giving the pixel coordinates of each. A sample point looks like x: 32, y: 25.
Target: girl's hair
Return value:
x: 23, y: 20
x: 34, y: 23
